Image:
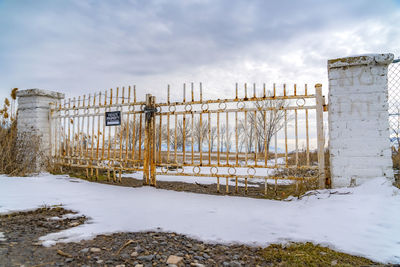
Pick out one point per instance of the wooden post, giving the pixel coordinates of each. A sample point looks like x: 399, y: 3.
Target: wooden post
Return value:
x: 320, y: 134
x: 153, y: 142
x: 147, y: 138
x: 149, y: 167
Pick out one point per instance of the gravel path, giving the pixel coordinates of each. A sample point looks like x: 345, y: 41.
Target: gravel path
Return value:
x: 19, y: 246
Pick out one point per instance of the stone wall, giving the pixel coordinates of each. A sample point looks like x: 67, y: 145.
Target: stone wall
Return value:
x: 34, y: 116
x: 359, y: 142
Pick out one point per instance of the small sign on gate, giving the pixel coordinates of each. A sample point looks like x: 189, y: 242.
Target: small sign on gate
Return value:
x: 113, y: 118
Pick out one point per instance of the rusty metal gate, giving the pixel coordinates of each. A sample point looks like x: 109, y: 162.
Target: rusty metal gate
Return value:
x: 256, y: 136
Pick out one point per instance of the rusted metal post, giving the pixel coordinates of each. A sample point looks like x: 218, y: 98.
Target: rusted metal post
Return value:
x: 320, y: 134
x: 153, y: 141
x: 149, y: 167
x: 147, y: 138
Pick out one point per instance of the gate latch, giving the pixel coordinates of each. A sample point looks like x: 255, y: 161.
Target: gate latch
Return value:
x: 148, y: 111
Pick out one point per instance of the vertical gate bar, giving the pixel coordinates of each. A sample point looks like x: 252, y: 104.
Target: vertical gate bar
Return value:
x: 159, y: 139
x: 201, y: 134
x: 86, y: 132
x: 92, y: 144
x: 218, y: 140
x: 59, y: 130
x: 236, y: 91
x: 98, y: 130
x: 201, y: 92
x: 79, y: 140
x: 192, y: 133
x: 133, y: 142
x: 134, y: 127
x: 147, y: 143
x: 168, y: 95
x: 264, y: 92
x: 236, y: 139
x: 285, y: 118
x: 297, y: 137
x: 320, y: 134
x: 120, y: 127
x: 184, y: 127
x: 127, y: 134
x: 64, y: 152
x: 245, y: 91
x: 296, y: 129
x: 153, y: 144
x: 109, y: 138
x: 73, y: 130
x: 256, y: 137
x: 192, y: 91
x: 51, y: 129
x: 246, y: 137
x: 134, y: 94
x: 276, y: 143
x: 227, y: 135
x: 307, y: 135
x: 69, y: 118
x: 266, y: 149
x: 86, y: 156
x: 209, y: 138
x: 168, y: 137
x: 175, y: 140
x: 140, y: 136
x: 184, y: 138
x: 104, y: 128
x: 168, y: 125
x: 154, y: 139
x: 184, y: 92
x: 115, y: 130
x: 286, y: 142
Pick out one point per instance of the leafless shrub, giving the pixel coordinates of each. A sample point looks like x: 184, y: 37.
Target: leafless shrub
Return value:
x: 18, y: 152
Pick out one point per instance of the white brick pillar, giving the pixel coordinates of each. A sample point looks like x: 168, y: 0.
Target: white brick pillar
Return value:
x: 33, y: 117
x: 359, y: 142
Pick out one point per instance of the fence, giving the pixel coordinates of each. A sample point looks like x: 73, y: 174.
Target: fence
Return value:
x: 394, y: 102
x: 262, y: 136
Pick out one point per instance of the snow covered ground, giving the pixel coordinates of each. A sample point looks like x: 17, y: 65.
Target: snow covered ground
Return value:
x: 362, y: 221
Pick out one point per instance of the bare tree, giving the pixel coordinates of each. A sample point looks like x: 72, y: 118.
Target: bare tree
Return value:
x: 262, y: 124
x: 212, y: 137
x: 226, y: 138
x: 200, y: 132
x: 183, y: 131
x: 130, y: 133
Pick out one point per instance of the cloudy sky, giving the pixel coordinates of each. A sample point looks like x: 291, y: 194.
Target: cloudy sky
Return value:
x: 80, y: 47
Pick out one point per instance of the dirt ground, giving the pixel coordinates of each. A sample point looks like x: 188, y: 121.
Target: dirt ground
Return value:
x: 20, y: 246
x: 256, y: 190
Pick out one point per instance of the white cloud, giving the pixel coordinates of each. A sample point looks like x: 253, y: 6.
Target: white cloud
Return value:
x: 85, y: 46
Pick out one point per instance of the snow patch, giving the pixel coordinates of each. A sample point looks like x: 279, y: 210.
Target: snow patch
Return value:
x: 362, y: 220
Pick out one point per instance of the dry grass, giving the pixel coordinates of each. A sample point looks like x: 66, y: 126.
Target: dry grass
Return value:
x: 308, y: 254
x: 313, y: 160
x: 18, y: 153
x: 396, y: 165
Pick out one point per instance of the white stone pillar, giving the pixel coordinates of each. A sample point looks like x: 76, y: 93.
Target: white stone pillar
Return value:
x: 359, y: 142
x: 34, y: 117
